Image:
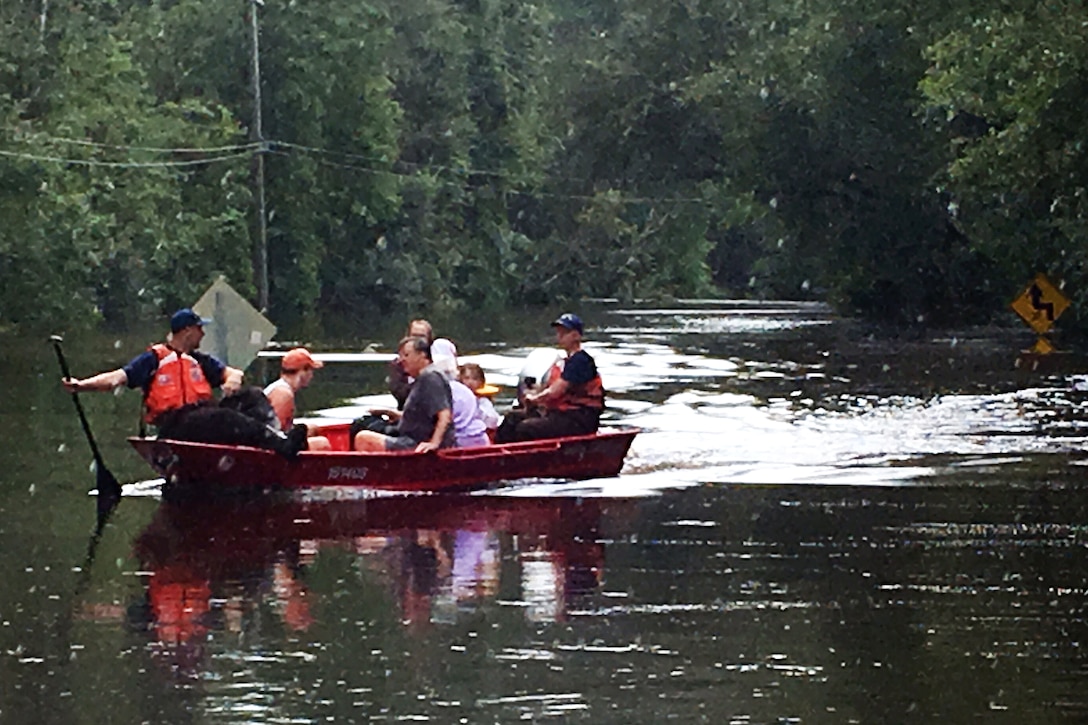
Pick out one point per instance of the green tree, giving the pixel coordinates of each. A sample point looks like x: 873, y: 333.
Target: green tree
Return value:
x: 104, y: 223
x: 1009, y: 88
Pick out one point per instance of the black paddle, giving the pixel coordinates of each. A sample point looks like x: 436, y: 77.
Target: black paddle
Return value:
x: 109, y: 490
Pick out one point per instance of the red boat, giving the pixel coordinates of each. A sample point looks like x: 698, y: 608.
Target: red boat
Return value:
x: 229, y: 467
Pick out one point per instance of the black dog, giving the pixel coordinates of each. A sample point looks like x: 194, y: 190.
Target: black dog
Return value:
x: 244, y: 418
x: 252, y: 402
x: 372, y: 422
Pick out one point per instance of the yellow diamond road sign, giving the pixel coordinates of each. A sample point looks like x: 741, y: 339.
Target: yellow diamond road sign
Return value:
x: 1040, y: 304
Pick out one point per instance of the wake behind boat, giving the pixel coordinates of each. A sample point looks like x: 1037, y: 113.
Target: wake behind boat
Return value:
x: 216, y: 467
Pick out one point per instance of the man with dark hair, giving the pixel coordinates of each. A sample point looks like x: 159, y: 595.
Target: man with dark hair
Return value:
x: 400, y: 382
x: 172, y: 374
x: 426, y: 424
x: 177, y: 382
x: 569, y: 401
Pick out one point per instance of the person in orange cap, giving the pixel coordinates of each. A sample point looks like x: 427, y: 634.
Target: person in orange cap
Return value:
x: 296, y: 372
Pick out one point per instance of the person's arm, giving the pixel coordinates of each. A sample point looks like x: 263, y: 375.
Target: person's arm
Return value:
x: 489, y: 414
x: 96, y: 383
x: 218, y: 374
x: 232, y: 380
x: 543, y: 393
x: 541, y: 397
x: 441, y: 424
x: 392, y: 415
x: 283, y: 403
x: 578, y: 370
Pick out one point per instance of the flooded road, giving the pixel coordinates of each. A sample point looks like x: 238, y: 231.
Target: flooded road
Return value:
x: 815, y: 525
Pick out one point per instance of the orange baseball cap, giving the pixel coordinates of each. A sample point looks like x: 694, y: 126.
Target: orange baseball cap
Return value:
x: 299, y: 359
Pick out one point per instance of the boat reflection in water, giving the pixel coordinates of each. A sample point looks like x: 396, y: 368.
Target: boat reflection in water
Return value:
x: 220, y: 566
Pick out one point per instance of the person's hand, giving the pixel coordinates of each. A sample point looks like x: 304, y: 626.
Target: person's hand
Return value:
x: 71, y: 384
x: 388, y: 414
x: 232, y: 381
x: 426, y: 447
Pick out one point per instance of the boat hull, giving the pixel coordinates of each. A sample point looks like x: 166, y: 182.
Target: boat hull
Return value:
x: 228, y: 467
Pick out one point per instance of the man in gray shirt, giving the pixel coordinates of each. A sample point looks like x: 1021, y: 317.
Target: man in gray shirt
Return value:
x: 426, y: 423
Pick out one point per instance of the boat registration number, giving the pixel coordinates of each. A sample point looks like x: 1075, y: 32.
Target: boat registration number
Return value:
x: 342, y: 473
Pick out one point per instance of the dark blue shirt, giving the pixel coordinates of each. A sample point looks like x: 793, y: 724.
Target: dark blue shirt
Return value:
x: 579, y: 368
x: 141, y: 369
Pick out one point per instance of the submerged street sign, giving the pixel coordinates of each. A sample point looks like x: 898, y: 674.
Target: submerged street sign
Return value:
x: 1040, y: 304
x: 237, y: 331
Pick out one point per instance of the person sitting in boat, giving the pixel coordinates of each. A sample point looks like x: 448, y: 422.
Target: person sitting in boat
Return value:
x: 469, y: 428
x: 426, y: 423
x: 400, y: 382
x: 472, y: 375
x: 177, y: 381
x: 569, y: 401
x: 297, y: 368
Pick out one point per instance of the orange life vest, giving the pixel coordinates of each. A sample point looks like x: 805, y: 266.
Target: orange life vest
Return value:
x: 179, y: 602
x: 177, y: 382
x: 585, y: 395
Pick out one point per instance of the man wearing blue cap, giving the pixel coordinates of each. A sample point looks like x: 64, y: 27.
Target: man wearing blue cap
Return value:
x: 172, y: 374
x: 177, y: 381
x: 569, y: 401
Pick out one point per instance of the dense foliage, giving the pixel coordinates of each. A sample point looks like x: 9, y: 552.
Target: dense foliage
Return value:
x: 914, y: 163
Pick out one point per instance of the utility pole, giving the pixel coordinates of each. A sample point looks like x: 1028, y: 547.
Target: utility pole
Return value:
x: 256, y: 133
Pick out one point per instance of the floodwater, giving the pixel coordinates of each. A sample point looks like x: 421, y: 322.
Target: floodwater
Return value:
x: 815, y: 525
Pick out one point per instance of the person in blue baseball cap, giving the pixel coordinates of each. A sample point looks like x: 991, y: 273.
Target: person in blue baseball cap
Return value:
x: 172, y: 374
x: 185, y: 317
x: 177, y: 382
x: 569, y: 401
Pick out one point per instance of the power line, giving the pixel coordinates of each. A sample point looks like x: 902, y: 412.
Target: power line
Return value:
x: 335, y: 165
x: 269, y: 144
x: 272, y: 144
x: 519, y: 192
x: 154, y: 149
x: 123, y: 164
x: 460, y: 170
x: 285, y: 148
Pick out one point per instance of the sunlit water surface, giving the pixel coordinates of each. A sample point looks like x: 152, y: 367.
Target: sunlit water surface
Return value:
x: 815, y: 525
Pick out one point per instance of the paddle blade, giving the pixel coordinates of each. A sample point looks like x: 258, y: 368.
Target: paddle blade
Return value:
x: 108, y: 486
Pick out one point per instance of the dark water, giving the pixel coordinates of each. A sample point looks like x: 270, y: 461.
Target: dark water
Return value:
x: 815, y: 526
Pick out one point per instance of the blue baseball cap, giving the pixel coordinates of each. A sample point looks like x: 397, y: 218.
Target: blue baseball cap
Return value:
x: 570, y: 321
x: 185, y: 317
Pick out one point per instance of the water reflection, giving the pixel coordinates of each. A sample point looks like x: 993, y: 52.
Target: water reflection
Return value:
x: 218, y: 568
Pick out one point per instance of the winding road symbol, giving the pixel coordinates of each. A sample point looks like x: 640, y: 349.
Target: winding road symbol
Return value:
x: 1040, y: 304
x: 1036, y: 294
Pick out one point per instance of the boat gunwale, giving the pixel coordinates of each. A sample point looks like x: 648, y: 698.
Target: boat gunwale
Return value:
x: 455, y: 453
